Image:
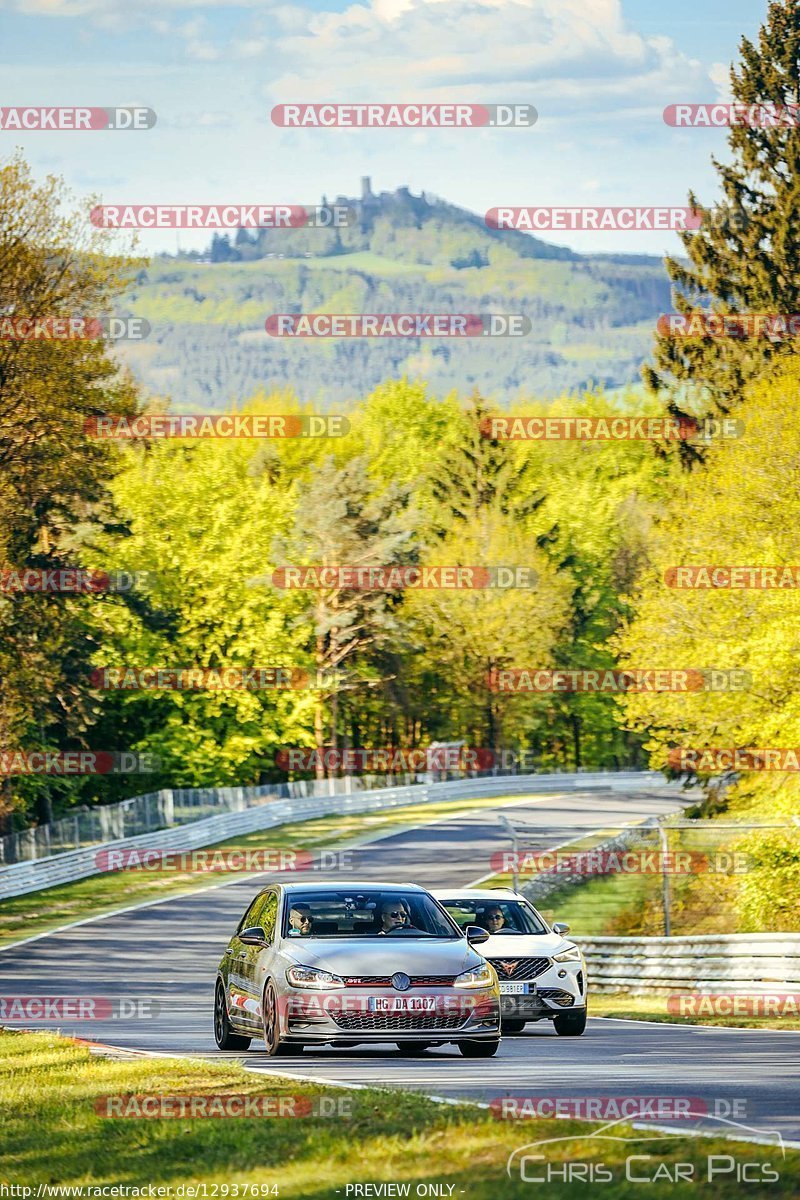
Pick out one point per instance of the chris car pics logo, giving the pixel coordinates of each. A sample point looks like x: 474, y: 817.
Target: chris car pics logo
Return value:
x: 650, y: 1159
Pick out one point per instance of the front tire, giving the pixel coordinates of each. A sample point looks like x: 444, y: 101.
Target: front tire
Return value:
x: 479, y: 1049
x: 570, y: 1024
x: 275, y: 1046
x: 224, y: 1036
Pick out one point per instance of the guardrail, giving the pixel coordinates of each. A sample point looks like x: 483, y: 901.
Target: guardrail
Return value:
x: 738, y: 963
x: 161, y: 810
x: 33, y: 876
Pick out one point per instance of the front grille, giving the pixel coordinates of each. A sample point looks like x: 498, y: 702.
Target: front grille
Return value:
x: 519, y: 968
x: 397, y: 1022
x: 385, y: 981
x: 562, y: 999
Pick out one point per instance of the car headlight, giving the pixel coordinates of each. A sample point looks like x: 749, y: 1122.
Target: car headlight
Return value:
x: 477, y: 977
x: 311, y: 977
x: 571, y: 955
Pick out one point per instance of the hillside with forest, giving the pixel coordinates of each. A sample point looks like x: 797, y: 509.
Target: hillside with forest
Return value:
x: 592, y: 316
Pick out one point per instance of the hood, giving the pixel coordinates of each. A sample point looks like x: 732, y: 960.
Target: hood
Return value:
x: 520, y: 945
x: 383, y: 956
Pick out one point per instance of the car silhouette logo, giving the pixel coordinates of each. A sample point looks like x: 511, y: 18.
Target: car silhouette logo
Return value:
x: 400, y: 981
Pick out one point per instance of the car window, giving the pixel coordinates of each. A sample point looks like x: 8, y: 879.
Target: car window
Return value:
x: 255, y: 913
x: 268, y: 915
x: 365, y: 914
x: 515, y: 917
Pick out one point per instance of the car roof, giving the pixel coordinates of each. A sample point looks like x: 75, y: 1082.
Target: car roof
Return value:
x: 366, y: 885
x: 458, y: 893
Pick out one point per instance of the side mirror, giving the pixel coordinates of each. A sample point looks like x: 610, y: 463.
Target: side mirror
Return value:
x: 476, y: 934
x: 254, y: 936
x: 560, y: 927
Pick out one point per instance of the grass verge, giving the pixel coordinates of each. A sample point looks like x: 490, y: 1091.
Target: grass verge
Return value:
x: 654, y: 1008
x: 53, y: 1134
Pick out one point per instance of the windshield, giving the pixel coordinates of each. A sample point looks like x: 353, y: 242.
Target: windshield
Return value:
x: 365, y: 914
x: 496, y: 916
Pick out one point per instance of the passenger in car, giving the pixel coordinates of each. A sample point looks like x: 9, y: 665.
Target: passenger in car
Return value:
x: 301, y: 922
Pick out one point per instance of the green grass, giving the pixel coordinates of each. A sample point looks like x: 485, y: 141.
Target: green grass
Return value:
x: 52, y: 1134
x: 38, y: 912
x: 654, y: 1008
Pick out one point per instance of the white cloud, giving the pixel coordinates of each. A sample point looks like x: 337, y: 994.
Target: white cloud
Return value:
x: 565, y: 54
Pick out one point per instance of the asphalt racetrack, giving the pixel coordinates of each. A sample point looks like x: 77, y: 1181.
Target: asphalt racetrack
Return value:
x: 168, y: 952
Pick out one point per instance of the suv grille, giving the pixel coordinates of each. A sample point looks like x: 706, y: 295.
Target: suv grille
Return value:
x: 519, y: 968
x: 398, y: 1022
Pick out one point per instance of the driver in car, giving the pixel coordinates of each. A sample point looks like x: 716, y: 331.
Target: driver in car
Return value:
x: 394, y: 915
x: 492, y: 919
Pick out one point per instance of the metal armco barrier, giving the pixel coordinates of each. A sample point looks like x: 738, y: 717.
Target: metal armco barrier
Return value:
x: 738, y: 963
x: 33, y: 876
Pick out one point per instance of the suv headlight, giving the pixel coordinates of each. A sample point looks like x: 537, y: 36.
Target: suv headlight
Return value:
x: 571, y: 955
x: 311, y: 977
x: 476, y: 977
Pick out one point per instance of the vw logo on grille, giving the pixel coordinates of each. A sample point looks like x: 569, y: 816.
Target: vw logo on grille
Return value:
x: 400, y: 981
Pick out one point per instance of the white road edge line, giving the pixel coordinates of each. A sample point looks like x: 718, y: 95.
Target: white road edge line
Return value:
x: 694, y: 1025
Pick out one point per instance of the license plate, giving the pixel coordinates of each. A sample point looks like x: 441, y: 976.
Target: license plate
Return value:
x: 517, y: 989
x: 392, y: 1004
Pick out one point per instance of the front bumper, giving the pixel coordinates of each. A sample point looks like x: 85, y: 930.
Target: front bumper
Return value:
x: 334, y: 1016
x: 561, y: 988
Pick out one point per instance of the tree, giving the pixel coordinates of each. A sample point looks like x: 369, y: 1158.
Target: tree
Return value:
x: 341, y: 521
x: 54, y: 496
x: 741, y: 509
x: 744, y: 257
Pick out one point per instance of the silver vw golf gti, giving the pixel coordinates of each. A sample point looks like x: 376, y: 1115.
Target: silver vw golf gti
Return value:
x: 355, y: 963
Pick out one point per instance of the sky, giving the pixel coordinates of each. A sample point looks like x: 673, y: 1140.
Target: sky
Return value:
x: 599, y: 73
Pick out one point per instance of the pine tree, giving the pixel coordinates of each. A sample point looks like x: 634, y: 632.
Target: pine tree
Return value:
x: 744, y: 258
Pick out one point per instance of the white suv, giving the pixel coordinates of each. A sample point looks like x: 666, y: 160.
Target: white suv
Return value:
x: 542, y: 975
